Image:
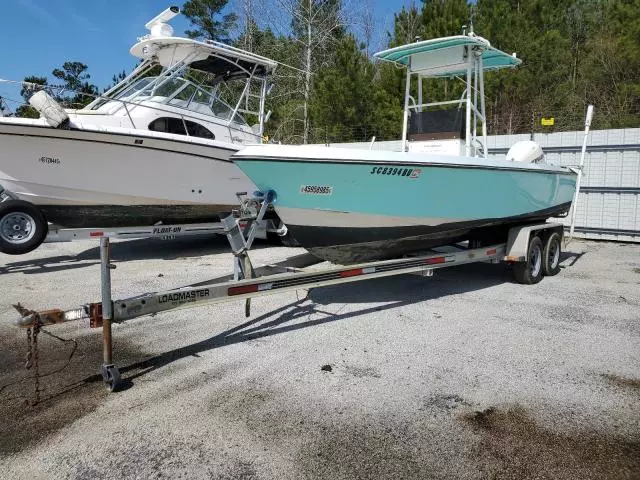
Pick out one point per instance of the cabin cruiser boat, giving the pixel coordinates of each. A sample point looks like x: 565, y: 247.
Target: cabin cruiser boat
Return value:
x: 153, y: 149
x: 351, y: 205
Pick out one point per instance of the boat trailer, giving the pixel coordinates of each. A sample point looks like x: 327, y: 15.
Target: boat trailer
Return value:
x: 523, y: 248
x: 21, y: 224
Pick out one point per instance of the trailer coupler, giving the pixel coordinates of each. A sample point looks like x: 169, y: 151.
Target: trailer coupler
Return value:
x: 31, y: 318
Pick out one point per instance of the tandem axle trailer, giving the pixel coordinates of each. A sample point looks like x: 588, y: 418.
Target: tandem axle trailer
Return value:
x: 534, y: 250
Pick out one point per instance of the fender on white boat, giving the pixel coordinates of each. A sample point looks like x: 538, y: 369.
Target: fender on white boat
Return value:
x: 50, y: 110
x: 525, y: 151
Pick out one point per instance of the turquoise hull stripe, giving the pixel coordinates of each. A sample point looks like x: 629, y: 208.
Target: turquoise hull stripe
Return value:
x: 432, y: 191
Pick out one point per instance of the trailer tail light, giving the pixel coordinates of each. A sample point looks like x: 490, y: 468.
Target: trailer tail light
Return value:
x: 357, y: 271
x: 351, y: 273
x: 96, y: 234
x: 242, y: 289
x: 434, y: 260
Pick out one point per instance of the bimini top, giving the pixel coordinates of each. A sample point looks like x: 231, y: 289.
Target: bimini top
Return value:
x: 212, y: 57
x: 446, y: 56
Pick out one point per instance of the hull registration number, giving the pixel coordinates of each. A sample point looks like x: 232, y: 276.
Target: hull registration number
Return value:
x: 316, y: 189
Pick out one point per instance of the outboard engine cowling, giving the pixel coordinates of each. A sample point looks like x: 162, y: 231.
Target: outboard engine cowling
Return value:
x: 525, y: 151
x: 50, y: 110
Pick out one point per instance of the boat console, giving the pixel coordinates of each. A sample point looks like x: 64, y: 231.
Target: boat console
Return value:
x: 439, y: 132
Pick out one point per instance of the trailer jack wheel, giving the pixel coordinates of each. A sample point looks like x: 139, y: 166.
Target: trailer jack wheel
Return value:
x: 22, y: 227
x: 111, y: 377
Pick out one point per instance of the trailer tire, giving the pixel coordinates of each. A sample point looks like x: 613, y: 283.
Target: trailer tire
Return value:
x: 22, y: 227
x: 551, y: 254
x: 530, y: 271
x: 111, y: 378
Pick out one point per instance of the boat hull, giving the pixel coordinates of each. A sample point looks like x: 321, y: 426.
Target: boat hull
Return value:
x: 81, y: 178
x: 345, y: 244
x: 349, y: 207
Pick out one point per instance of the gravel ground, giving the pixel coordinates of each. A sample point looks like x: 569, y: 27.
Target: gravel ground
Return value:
x: 463, y: 375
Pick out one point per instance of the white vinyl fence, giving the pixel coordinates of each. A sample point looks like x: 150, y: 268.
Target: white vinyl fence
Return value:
x: 609, y: 200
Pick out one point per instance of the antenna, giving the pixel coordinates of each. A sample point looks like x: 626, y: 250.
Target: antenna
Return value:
x: 472, y: 14
x: 163, y: 17
x: 158, y: 26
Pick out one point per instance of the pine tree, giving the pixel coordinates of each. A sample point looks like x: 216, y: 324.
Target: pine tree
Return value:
x: 29, y: 87
x: 209, y: 22
x: 76, y: 83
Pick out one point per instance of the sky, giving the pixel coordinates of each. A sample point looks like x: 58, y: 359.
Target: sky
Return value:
x: 37, y: 36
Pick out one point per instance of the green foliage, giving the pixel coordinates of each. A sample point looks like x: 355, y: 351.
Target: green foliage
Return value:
x: 117, y: 78
x: 29, y: 87
x: 27, y: 111
x: 75, y: 78
x: 285, y: 95
x: 73, y: 74
x: 204, y: 14
x: 443, y: 18
x: 346, y: 95
x: 407, y: 26
x: 574, y: 53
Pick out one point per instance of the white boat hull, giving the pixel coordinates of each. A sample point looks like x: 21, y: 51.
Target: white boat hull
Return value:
x: 74, y: 174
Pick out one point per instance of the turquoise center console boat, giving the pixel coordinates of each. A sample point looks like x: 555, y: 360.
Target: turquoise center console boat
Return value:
x: 349, y: 205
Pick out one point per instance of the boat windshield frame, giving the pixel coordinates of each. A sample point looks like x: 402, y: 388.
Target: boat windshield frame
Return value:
x: 217, y: 106
x: 251, y: 86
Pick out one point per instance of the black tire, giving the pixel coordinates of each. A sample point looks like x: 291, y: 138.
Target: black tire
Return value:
x: 551, y: 254
x: 111, y: 378
x: 22, y: 227
x: 530, y: 271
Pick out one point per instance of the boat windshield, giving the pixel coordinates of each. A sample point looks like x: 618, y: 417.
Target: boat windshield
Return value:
x: 180, y: 93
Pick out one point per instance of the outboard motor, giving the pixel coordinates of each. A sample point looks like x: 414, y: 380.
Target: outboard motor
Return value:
x: 526, y: 151
x: 50, y: 110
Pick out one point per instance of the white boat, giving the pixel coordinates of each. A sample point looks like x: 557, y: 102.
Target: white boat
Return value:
x: 155, y: 148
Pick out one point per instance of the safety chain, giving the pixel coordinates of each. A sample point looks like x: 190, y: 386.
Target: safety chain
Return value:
x: 32, y: 357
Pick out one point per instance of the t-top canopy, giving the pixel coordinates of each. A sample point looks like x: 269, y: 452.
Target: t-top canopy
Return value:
x: 212, y: 57
x: 446, y: 56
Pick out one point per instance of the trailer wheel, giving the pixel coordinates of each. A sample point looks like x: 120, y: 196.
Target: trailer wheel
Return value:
x: 551, y: 254
x: 111, y: 377
x: 531, y: 270
x: 22, y: 227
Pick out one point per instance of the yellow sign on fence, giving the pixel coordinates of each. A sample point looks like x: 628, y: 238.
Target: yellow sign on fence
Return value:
x: 548, y: 122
